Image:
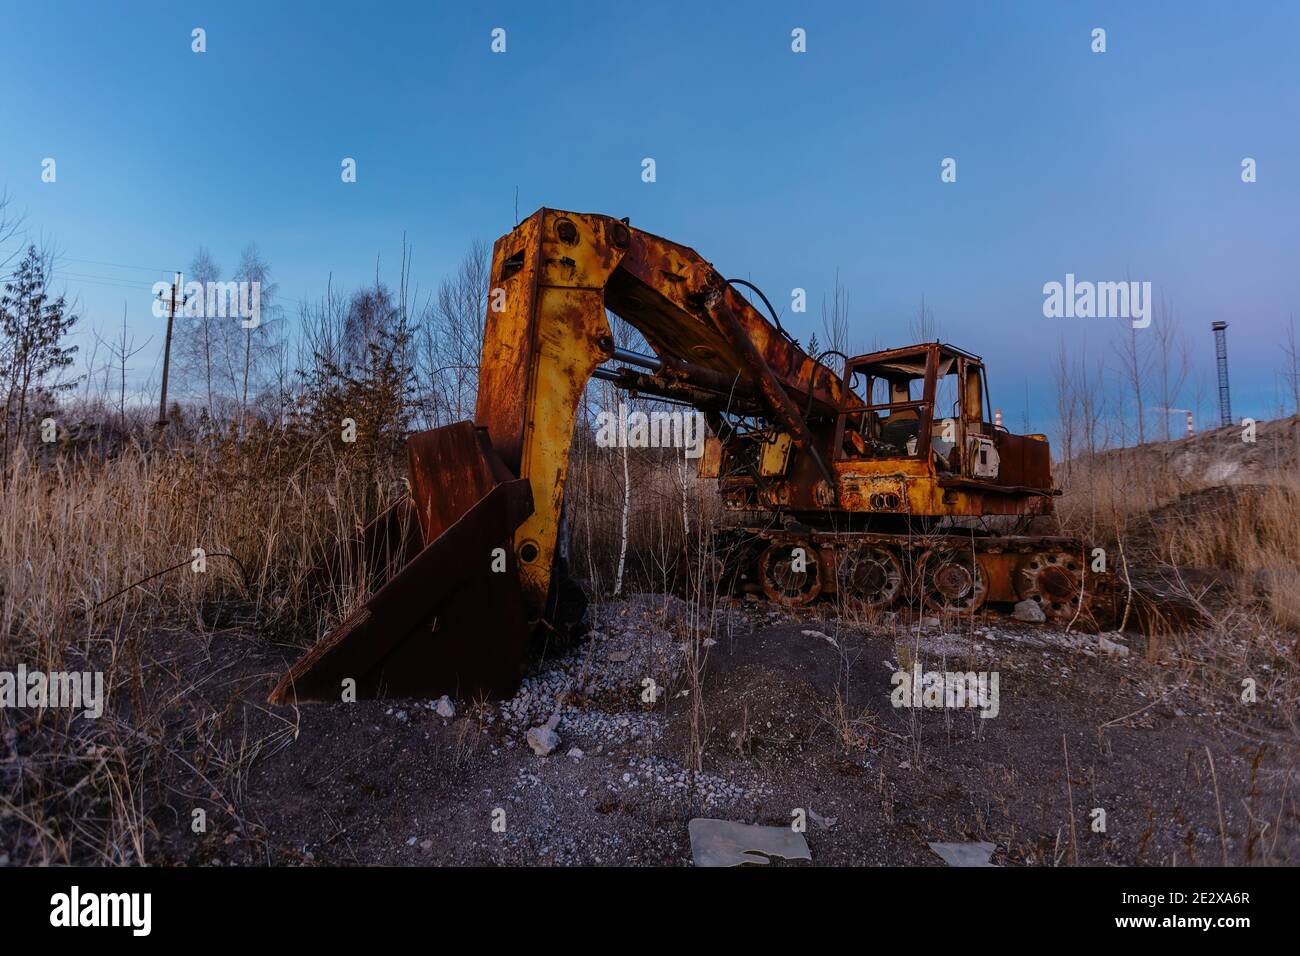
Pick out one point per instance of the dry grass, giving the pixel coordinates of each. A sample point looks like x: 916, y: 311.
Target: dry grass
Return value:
x: 75, y: 530
x: 1168, y: 526
x: 73, y: 533
x: 667, y: 507
x: 1231, y: 552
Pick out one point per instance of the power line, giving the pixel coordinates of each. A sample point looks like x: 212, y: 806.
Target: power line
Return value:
x: 123, y: 282
x: 75, y: 279
x: 113, y: 265
x: 94, y: 278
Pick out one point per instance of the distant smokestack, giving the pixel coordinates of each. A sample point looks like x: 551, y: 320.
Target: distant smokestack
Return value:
x: 1191, y: 427
x: 1221, y: 354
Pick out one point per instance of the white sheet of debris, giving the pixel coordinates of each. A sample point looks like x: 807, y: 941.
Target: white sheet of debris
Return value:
x: 965, y: 854
x: 726, y: 843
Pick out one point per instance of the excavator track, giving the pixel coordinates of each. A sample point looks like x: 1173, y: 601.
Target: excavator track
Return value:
x: 946, y: 574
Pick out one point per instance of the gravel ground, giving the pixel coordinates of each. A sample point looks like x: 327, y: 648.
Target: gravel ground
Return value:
x: 794, y: 718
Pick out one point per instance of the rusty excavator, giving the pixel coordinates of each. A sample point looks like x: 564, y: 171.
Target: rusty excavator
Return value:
x: 876, y: 482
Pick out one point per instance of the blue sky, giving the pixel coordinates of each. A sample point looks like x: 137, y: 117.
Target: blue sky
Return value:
x: 776, y: 166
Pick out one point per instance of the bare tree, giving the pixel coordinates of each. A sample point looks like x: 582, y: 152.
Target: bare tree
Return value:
x: 1067, y: 406
x: 1094, y: 408
x: 1172, y: 362
x: 121, y: 352
x: 835, y: 318
x: 625, y: 337
x: 198, y: 345
x: 258, y: 342
x: 924, y: 328
x: 1292, y: 371
x: 1134, y: 354
x: 10, y: 225
x: 450, y: 339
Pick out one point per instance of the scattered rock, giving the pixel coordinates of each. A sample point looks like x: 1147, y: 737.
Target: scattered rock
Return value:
x: 1108, y: 646
x: 929, y: 622
x: 1029, y: 611
x: 619, y: 657
x: 824, y: 822
x: 672, y: 781
x: 444, y: 707
x: 576, y: 753
x: 824, y: 637
x: 544, y: 739
x: 426, y: 845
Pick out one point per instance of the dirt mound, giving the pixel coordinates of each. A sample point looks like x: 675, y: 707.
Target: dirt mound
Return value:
x: 1224, y: 456
x: 1219, y: 504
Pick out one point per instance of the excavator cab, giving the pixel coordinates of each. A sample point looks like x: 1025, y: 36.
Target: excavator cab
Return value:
x: 922, y: 403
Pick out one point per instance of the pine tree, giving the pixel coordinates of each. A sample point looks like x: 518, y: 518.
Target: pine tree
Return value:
x: 32, y: 350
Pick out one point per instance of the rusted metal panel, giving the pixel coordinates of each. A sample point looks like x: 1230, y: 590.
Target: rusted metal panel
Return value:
x: 450, y: 470
x: 775, y: 457
x: 508, y: 340
x: 446, y: 623
x: 999, y: 572
x: 567, y: 352
x: 711, y: 461
x: 1026, y: 461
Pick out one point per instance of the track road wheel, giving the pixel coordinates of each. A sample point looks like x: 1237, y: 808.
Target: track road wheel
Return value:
x: 791, y: 573
x: 1053, y: 579
x: 870, y: 575
x: 952, y: 581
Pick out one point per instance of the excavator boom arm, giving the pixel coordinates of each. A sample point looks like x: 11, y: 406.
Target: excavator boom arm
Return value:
x: 553, y: 277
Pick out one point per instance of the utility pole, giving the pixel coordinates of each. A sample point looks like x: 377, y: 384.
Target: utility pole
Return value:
x: 1221, y: 355
x: 167, y: 353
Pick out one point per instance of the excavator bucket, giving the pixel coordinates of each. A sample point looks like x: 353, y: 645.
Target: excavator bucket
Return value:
x: 451, y: 619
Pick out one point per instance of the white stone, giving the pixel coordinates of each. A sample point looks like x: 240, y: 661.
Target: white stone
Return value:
x: 1029, y: 611
x: 1105, y: 644
x: 543, y: 740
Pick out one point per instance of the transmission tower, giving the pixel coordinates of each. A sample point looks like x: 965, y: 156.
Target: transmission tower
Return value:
x: 1221, y: 354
